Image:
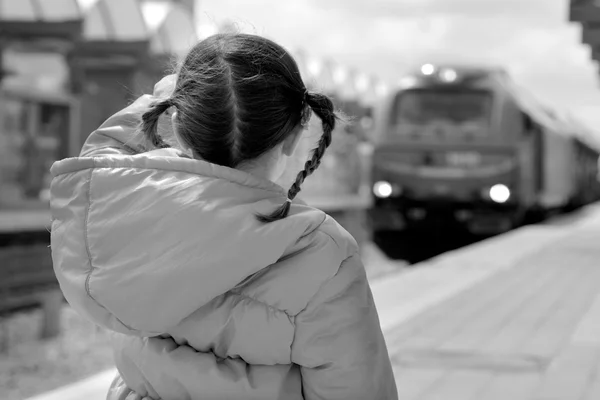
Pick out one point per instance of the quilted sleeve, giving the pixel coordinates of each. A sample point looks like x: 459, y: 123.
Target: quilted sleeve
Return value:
x: 339, y: 344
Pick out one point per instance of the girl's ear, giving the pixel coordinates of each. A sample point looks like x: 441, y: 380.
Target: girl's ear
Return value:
x: 290, y: 143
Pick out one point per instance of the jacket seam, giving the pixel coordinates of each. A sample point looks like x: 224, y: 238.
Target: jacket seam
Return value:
x: 334, y: 241
x: 293, y: 317
x: 126, y: 148
x: 318, y: 230
x: 85, y: 236
x: 124, y: 144
x: 315, y: 229
x: 326, y: 282
x: 89, y: 253
x: 279, y: 192
x: 351, y: 282
x: 270, y: 306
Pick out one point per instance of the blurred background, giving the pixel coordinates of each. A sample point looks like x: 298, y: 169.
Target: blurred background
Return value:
x: 469, y: 119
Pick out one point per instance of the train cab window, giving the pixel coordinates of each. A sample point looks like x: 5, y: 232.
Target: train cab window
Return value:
x: 455, y: 112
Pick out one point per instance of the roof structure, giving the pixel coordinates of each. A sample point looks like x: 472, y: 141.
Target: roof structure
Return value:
x: 115, y: 21
x: 38, y: 34
x: 39, y: 10
x: 171, y: 26
x: 123, y: 32
x: 587, y: 13
x: 44, y: 20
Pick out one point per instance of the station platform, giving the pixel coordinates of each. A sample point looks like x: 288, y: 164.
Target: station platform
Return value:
x: 516, y: 317
x: 513, y: 317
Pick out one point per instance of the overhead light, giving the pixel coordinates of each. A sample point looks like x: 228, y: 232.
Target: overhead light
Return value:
x: 314, y: 67
x: 428, y: 69
x: 362, y: 82
x: 340, y: 74
x: 448, y: 75
x: 381, y: 89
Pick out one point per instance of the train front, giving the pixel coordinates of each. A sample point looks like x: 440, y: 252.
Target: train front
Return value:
x: 445, y: 155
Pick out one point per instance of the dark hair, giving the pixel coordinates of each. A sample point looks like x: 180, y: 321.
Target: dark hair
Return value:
x: 238, y: 96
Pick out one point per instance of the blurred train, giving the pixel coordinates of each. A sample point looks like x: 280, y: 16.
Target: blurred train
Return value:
x: 466, y: 145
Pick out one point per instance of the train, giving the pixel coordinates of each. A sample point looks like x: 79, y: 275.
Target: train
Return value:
x: 466, y: 146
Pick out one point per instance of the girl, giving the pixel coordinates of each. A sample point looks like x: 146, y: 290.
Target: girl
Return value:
x: 215, y: 282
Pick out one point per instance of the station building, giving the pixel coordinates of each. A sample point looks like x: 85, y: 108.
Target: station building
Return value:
x: 65, y: 68
x: 68, y: 65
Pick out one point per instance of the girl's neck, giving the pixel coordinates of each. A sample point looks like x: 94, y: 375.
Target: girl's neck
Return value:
x: 265, y: 167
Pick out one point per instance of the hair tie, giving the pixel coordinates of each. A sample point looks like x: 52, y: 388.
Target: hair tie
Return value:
x: 305, y: 112
x: 288, y: 200
x: 304, y: 98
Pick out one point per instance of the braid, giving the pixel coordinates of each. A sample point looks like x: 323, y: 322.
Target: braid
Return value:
x: 149, y: 124
x: 323, y: 107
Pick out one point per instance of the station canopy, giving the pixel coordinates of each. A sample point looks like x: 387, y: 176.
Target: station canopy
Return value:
x: 39, y: 10
x: 35, y: 71
x: 48, y: 22
x: 42, y: 67
x: 113, y: 20
x: 171, y: 27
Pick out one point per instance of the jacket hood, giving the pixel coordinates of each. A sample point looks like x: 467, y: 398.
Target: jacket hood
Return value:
x: 140, y: 242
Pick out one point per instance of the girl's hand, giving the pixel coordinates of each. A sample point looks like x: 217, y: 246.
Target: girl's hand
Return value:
x: 165, y: 87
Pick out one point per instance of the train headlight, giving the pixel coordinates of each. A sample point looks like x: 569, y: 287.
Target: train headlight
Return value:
x: 383, y: 189
x: 499, y: 193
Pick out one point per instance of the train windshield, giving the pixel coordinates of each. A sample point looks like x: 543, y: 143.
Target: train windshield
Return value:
x: 451, y: 111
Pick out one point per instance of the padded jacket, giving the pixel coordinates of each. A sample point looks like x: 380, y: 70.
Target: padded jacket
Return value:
x: 204, y: 302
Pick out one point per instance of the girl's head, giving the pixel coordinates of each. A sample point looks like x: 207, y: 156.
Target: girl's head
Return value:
x: 239, y: 100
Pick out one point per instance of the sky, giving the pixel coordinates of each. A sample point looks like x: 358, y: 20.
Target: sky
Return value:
x: 532, y: 39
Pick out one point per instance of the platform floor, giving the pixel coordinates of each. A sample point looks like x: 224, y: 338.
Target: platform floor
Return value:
x: 516, y: 317
x: 529, y: 331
